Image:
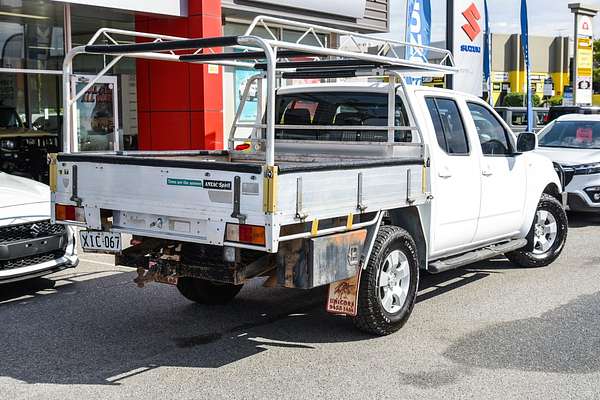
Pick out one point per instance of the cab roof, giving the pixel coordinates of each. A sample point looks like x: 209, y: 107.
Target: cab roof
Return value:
x: 579, y: 117
x: 380, y: 87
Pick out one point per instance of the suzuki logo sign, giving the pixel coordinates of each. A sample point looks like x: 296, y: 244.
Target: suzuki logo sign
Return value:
x: 467, y: 45
x: 472, y: 28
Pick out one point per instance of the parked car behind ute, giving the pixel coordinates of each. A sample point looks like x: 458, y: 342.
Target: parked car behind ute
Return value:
x: 573, y: 142
x: 30, y: 245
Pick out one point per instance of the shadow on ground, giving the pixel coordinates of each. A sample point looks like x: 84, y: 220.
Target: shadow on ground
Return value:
x: 30, y: 287
x: 582, y: 220
x: 99, y: 330
x: 549, y: 343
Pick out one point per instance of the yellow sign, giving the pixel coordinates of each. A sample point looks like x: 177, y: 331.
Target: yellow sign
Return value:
x: 585, y: 57
x: 585, y: 43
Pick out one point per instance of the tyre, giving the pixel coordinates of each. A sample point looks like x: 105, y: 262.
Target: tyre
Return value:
x: 207, y: 292
x: 388, y: 286
x: 547, y: 236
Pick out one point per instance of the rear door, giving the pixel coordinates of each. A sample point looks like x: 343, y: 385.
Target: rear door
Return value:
x: 503, y: 176
x: 455, y: 176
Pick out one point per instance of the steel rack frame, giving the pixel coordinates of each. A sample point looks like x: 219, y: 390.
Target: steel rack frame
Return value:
x: 358, y: 56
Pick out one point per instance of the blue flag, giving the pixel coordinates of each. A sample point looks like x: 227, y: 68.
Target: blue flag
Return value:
x: 487, y: 55
x: 418, y: 32
x: 525, y: 45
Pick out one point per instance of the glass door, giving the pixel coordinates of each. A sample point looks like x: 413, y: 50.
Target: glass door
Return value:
x: 96, y: 114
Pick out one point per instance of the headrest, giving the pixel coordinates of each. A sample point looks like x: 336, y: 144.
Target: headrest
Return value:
x: 297, y: 116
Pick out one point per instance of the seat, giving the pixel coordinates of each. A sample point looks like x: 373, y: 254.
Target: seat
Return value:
x: 296, y: 116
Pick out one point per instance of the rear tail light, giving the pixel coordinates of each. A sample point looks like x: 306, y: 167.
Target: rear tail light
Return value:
x: 69, y: 213
x: 242, y: 147
x: 249, y: 234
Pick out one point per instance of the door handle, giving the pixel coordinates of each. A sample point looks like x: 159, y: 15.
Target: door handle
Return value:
x: 444, y: 173
x: 487, y: 172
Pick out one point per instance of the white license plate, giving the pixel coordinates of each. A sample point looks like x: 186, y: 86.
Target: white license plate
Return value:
x: 99, y: 241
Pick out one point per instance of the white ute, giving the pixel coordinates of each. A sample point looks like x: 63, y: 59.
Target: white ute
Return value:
x: 30, y: 246
x: 358, y: 186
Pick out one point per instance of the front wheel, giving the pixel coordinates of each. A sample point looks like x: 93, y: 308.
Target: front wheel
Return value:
x: 388, y: 286
x: 547, y: 236
x: 207, y: 292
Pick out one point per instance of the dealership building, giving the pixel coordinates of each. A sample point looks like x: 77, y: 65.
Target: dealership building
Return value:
x: 156, y: 104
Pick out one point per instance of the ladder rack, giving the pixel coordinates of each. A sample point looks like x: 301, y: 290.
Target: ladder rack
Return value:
x: 307, y: 57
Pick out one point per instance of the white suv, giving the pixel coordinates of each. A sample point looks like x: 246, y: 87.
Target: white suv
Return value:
x: 573, y: 142
x: 30, y: 246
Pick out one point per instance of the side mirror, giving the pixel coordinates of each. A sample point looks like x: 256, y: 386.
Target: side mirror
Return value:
x: 526, y: 141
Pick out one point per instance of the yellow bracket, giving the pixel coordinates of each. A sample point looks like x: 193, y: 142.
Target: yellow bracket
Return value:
x: 350, y: 221
x: 315, y: 227
x: 53, y: 175
x: 270, y: 189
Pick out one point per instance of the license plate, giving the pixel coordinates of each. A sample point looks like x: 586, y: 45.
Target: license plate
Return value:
x: 98, y: 241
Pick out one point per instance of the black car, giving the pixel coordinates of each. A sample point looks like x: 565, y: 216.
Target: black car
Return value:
x: 558, y: 111
x: 24, y: 152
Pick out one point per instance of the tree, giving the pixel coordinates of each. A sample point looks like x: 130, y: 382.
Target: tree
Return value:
x: 596, y: 70
x: 516, y: 99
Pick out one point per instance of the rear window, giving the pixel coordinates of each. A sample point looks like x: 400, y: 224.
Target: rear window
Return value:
x: 343, y: 109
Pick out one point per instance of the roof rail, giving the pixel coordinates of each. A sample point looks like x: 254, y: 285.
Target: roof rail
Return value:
x: 353, y: 42
x: 367, y: 51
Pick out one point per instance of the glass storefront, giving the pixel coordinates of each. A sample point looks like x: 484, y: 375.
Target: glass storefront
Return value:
x: 32, y: 49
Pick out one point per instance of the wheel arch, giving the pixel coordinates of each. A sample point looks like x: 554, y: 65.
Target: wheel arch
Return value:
x: 409, y: 218
x: 553, y: 190
x: 541, y: 178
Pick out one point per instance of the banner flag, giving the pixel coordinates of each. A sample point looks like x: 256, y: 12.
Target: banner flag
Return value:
x: 418, y: 32
x: 467, y: 43
x: 525, y: 45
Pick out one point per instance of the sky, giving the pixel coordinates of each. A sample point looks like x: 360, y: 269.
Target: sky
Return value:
x: 546, y: 17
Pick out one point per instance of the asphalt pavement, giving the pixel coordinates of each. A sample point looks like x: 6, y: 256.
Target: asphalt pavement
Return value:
x: 489, y: 331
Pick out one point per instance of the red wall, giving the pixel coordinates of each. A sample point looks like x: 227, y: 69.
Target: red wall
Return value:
x: 180, y: 106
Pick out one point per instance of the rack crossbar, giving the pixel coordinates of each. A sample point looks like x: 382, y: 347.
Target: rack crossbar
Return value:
x: 116, y: 49
x: 247, y: 55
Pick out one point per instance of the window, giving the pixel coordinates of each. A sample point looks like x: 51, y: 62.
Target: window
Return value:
x: 519, y: 118
x: 492, y: 135
x: 581, y: 134
x: 448, y: 125
x: 344, y: 109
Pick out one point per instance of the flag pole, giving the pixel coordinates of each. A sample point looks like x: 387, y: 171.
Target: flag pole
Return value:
x: 525, y: 46
x: 487, y: 62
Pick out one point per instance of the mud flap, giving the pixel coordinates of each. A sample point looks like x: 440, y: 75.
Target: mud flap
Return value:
x: 342, y: 297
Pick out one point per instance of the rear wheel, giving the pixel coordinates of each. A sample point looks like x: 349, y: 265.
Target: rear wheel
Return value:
x: 207, y: 292
x: 388, y: 286
x: 547, y: 236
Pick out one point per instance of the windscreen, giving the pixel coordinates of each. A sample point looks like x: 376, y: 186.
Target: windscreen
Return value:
x: 342, y: 109
x: 9, y: 118
x: 571, y: 134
